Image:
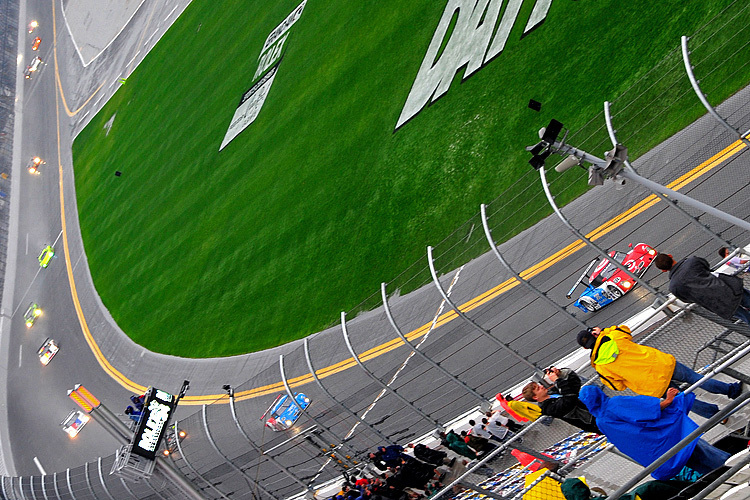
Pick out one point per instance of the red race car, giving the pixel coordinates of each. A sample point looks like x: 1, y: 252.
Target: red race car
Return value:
x: 608, y: 283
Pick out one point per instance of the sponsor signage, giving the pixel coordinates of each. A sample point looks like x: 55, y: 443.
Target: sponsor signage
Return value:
x: 268, y: 65
x: 157, y: 410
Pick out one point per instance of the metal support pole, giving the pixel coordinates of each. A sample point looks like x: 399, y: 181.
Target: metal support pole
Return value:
x: 382, y: 436
x: 194, y: 471
x: 250, y: 483
x: 20, y: 488
x: 733, y: 405
x: 535, y: 290
x: 88, y: 481
x: 44, y: 489
x: 154, y: 490
x: 31, y: 487
x: 483, y: 491
x: 112, y: 424
x: 672, y: 203
x: 724, y: 477
x: 380, y: 382
x: 54, y: 483
x: 353, y: 453
x: 258, y: 449
x: 702, y: 96
x: 471, y: 322
x: 127, y: 488
x: 70, y: 487
x: 101, y: 479
x: 602, y: 253
x: 483, y: 400
x: 687, y: 200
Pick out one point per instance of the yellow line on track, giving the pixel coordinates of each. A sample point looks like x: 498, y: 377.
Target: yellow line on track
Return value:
x: 386, y: 347
x: 57, y: 72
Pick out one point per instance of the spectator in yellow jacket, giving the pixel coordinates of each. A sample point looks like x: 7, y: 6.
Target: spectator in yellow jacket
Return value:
x: 621, y: 363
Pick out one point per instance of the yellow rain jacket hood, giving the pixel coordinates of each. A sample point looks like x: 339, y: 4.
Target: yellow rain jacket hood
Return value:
x: 622, y: 363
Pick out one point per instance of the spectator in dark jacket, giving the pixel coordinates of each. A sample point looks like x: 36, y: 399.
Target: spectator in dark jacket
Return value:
x: 388, y: 456
x: 566, y: 406
x: 691, y: 280
x: 430, y: 456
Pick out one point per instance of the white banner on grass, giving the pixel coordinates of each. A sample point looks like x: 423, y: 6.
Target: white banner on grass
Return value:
x: 268, y: 65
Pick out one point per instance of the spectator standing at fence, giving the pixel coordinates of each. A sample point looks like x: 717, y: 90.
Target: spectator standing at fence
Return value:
x: 622, y: 363
x: 735, y: 262
x: 566, y: 406
x: 691, y: 280
x: 645, y: 427
x: 456, y: 443
x: 134, y: 414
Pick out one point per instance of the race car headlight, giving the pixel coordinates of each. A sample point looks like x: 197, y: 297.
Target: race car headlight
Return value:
x: 37, y: 312
x: 289, y: 423
x: 652, y: 251
x: 626, y: 284
x: 28, y: 323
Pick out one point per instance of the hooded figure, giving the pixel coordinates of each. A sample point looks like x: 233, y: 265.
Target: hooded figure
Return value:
x: 641, y: 429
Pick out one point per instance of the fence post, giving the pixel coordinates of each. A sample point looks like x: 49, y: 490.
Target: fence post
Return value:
x: 184, y: 458
x: 483, y: 400
x: 471, y: 322
x: 385, y: 386
x: 70, y: 487
x: 702, y: 96
x: 535, y: 290
x: 330, y: 396
x: 669, y: 201
x: 602, y: 253
x: 290, y: 394
x: 101, y: 479
x: 255, y: 447
x: 249, y: 481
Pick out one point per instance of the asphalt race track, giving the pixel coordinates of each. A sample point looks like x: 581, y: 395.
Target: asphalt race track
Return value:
x: 36, y: 395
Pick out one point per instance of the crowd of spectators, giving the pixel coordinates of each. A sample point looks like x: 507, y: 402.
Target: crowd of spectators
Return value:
x: 642, y: 426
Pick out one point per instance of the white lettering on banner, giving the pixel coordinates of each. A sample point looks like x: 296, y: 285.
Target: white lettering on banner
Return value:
x: 157, y: 417
x: 164, y: 396
x: 284, y: 26
x: 270, y: 57
x: 468, y: 46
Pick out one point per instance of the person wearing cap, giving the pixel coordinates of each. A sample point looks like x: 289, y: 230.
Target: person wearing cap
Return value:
x: 691, y: 280
x: 622, y: 363
x: 566, y: 406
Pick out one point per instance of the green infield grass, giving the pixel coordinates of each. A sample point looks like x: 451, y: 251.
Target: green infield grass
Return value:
x: 201, y: 253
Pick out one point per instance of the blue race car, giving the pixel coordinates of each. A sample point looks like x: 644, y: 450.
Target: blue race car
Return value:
x: 608, y: 283
x: 284, y: 413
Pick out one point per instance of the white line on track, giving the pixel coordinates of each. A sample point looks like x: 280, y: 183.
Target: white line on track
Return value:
x: 171, y: 12
x: 401, y: 368
x: 27, y: 244
x: 20, y: 355
x: 133, y: 59
x: 39, y: 466
x: 152, y: 36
